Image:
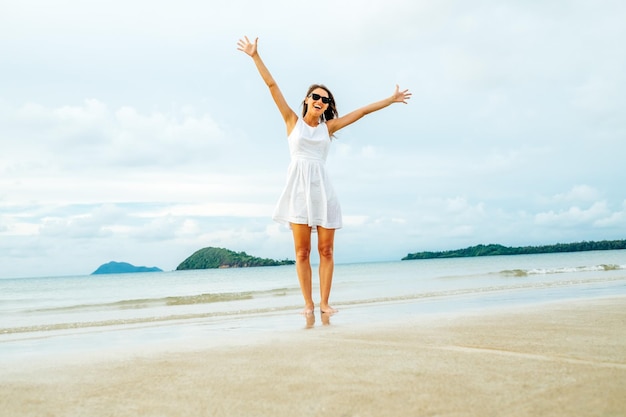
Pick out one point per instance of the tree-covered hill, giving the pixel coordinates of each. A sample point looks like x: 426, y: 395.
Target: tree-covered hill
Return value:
x: 495, y: 250
x: 210, y: 258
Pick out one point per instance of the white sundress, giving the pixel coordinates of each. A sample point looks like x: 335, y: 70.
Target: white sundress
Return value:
x: 308, y: 197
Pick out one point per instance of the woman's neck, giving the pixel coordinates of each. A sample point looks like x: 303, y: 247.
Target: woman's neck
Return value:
x: 311, y: 120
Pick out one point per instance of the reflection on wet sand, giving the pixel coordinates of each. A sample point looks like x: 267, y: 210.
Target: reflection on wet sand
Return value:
x: 310, y: 320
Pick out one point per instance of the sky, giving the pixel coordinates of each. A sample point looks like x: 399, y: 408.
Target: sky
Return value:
x: 134, y: 131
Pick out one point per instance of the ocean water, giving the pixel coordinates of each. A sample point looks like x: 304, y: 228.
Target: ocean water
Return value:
x: 46, y: 315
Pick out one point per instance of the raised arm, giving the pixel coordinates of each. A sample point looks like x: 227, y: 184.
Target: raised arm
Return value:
x: 398, y: 97
x: 289, y: 116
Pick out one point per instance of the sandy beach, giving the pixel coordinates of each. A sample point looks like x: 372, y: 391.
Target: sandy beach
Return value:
x: 559, y: 359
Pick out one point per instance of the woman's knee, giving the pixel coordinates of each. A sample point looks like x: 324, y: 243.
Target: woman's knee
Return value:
x: 326, y: 251
x: 303, y: 253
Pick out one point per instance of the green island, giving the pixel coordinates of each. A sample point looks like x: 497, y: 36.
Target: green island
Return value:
x: 211, y: 258
x: 123, y: 268
x: 497, y: 250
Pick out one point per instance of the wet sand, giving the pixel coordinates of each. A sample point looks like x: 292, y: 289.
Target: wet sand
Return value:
x: 560, y: 359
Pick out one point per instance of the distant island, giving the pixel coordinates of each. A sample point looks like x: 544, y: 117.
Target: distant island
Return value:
x: 496, y: 250
x: 123, y: 268
x: 211, y: 258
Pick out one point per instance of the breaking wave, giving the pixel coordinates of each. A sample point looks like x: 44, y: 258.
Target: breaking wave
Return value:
x: 563, y: 270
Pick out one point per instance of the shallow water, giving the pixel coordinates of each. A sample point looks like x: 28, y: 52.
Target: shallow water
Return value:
x: 84, y: 313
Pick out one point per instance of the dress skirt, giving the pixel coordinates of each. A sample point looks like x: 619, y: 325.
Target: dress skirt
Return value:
x: 308, y: 197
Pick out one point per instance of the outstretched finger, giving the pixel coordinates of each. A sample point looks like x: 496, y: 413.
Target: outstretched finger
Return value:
x: 243, y: 40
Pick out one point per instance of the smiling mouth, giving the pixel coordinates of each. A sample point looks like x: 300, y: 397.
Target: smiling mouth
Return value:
x: 317, y: 106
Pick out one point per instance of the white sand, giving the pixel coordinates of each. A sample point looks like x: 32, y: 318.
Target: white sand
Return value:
x: 566, y: 359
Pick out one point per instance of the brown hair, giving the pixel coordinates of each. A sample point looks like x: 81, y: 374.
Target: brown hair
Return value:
x: 331, y: 111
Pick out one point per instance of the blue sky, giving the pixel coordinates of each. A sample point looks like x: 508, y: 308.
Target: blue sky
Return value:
x: 135, y: 131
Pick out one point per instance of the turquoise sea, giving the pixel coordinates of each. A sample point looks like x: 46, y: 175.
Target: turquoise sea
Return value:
x: 97, y: 314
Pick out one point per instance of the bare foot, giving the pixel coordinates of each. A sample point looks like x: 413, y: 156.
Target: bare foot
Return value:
x: 328, y: 309
x: 308, y: 310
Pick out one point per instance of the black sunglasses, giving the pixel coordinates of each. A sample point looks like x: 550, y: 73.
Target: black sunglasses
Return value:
x: 316, y: 97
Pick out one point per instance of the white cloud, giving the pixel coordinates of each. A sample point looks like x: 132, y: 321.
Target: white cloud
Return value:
x: 574, y: 216
x: 91, y: 135
x: 579, y: 193
x: 616, y: 220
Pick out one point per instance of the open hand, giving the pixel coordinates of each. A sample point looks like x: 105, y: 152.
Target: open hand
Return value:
x: 401, y: 96
x: 246, y: 46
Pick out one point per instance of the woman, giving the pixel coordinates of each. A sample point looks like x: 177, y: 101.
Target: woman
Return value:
x: 308, y: 203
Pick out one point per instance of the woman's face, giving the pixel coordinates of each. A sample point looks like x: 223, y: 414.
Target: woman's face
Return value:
x: 315, y: 101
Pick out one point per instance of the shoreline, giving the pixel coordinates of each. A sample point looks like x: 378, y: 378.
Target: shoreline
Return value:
x: 561, y: 358
x: 115, y: 338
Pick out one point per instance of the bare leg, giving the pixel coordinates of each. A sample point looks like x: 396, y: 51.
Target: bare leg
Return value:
x: 325, y: 246
x: 302, y: 243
